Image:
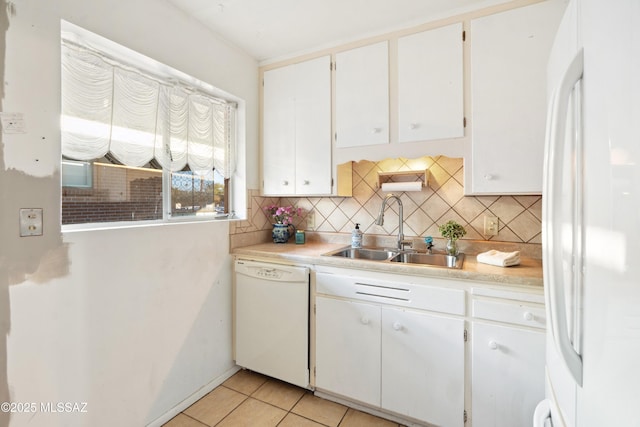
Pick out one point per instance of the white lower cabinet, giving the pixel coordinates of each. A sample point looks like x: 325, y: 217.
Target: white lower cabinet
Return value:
x: 348, y: 349
x: 400, y: 359
x: 423, y: 366
x: 507, y: 360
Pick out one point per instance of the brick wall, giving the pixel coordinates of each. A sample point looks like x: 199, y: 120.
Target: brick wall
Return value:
x: 117, y: 194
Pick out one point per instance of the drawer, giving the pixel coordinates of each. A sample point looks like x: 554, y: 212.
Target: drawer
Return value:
x: 509, y: 312
x: 422, y: 297
x: 526, y: 297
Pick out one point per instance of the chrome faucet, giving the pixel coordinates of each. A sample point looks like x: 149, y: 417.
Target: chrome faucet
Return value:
x: 380, y: 219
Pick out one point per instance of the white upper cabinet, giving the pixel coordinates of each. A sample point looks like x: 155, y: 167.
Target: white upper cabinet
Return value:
x: 362, y: 96
x: 296, y: 149
x: 313, y: 127
x: 430, y: 85
x: 509, y: 53
x: 278, y: 155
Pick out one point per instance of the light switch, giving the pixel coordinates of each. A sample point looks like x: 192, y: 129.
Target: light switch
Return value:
x: 30, y: 222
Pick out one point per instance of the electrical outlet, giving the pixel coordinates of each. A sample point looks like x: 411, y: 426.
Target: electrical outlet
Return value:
x: 30, y: 222
x: 490, y: 225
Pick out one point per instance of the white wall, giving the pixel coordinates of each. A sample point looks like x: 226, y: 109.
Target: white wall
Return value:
x: 142, y: 321
x: 133, y: 320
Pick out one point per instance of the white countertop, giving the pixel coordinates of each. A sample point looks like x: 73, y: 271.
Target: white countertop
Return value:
x: 528, y: 273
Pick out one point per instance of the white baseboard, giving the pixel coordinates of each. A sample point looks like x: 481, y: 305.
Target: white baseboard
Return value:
x: 368, y: 409
x: 158, y: 422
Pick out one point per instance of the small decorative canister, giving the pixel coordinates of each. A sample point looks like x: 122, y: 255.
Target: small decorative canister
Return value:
x: 299, y: 237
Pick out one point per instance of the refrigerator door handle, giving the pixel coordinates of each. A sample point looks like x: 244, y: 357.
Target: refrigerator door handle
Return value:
x: 551, y: 226
x: 542, y: 413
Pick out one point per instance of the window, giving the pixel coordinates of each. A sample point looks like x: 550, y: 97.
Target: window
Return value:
x: 140, y: 145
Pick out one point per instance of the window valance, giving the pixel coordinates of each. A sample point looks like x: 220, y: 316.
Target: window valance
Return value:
x: 110, y: 108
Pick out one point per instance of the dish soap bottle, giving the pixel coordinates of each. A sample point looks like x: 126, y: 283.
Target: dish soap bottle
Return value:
x: 356, y: 237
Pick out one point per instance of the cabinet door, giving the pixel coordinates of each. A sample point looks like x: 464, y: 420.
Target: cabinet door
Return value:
x: 296, y: 144
x: 348, y: 349
x: 509, y: 53
x: 507, y: 379
x: 362, y: 96
x: 278, y: 131
x: 313, y: 127
x: 430, y: 82
x: 423, y: 366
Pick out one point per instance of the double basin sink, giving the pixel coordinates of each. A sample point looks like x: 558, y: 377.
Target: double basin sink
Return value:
x: 398, y: 256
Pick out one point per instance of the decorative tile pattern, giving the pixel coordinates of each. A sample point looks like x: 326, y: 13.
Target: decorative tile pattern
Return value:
x: 520, y: 218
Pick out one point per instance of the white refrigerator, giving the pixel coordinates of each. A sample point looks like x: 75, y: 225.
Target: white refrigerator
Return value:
x: 591, y: 219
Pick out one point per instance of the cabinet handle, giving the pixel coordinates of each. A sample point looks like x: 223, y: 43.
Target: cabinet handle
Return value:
x: 493, y: 345
x: 397, y: 326
x: 364, y: 320
x: 305, y: 182
x: 413, y: 126
x: 376, y: 130
x: 528, y: 316
x: 285, y: 182
x: 488, y: 176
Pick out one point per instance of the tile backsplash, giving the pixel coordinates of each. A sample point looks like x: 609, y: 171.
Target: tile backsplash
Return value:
x: 520, y: 218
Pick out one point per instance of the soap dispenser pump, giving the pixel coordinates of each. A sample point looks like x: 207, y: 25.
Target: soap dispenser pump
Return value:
x: 356, y: 237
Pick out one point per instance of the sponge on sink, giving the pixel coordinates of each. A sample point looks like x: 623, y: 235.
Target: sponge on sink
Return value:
x: 501, y: 259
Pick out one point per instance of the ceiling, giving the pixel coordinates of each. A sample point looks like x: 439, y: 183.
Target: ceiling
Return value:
x: 276, y: 29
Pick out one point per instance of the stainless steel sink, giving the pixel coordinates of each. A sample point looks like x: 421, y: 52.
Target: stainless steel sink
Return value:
x: 394, y: 255
x: 371, y: 254
x: 437, y: 260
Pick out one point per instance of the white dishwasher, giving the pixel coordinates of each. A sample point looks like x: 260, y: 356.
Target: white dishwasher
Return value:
x: 271, y: 318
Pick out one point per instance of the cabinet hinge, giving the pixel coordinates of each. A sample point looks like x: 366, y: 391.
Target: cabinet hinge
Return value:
x: 464, y: 122
x: 466, y: 335
x: 464, y: 415
x: 314, y: 312
x: 331, y: 182
x: 464, y: 35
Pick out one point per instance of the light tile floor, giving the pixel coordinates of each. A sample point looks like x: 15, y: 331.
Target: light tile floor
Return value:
x: 254, y: 400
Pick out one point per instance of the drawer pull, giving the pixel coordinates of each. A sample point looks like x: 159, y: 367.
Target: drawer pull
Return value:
x: 397, y: 326
x: 493, y: 345
x: 364, y: 320
x: 528, y: 316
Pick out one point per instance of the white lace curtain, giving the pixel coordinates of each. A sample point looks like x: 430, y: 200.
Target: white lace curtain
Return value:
x: 111, y: 108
